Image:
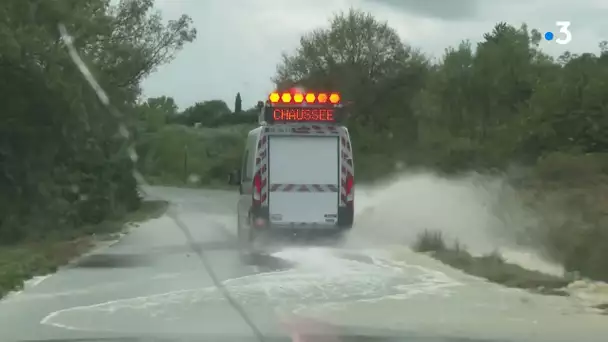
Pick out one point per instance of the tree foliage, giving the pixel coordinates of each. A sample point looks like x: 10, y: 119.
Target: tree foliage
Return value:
x: 489, y: 106
x: 212, y: 113
x: 62, y: 163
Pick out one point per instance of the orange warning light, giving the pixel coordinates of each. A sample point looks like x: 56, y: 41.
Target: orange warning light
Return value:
x: 286, y: 98
x: 334, y: 98
x: 298, y: 98
x: 274, y: 97
x: 310, y: 98
x: 322, y: 98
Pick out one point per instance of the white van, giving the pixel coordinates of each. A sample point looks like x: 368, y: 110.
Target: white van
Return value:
x: 297, y: 174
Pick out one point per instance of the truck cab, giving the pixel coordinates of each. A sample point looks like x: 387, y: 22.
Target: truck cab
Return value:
x: 297, y: 175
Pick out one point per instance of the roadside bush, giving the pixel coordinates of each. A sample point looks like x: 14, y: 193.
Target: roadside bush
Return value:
x: 430, y: 241
x: 492, y: 266
x: 175, y: 153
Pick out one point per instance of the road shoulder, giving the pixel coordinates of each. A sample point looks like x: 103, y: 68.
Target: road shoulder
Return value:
x: 29, y: 263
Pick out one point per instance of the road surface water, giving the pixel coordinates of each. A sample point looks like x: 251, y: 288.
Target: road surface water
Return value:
x: 151, y: 283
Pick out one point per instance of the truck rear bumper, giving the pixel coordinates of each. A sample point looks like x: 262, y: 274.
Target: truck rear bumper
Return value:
x: 299, y: 229
x: 261, y: 221
x: 263, y: 229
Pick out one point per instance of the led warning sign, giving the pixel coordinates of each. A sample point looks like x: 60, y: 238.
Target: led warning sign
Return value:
x: 303, y: 114
x: 303, y: 106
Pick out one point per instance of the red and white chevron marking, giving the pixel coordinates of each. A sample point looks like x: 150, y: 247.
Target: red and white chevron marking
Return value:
x: 347, y: 167
x: 261, y: 165
x: 303, y: 188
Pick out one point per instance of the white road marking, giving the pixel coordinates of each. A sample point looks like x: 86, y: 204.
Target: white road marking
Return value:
x: 318, y: 278
x: 107, y: 286
x: 49, y: 319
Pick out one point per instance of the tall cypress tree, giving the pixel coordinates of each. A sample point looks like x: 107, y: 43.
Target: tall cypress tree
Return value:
x: 237, y: 103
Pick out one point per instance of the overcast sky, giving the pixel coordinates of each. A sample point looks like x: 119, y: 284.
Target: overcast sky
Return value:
x: 240, y: 41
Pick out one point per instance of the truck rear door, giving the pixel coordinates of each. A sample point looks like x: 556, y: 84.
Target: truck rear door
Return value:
x: 303, y: 179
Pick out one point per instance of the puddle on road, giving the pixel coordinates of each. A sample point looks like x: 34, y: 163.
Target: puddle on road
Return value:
x: 318, y: 276
x: 148, y: 257
x: 113, y: 261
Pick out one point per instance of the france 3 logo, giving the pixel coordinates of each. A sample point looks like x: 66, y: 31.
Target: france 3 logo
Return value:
x: 564, y: 37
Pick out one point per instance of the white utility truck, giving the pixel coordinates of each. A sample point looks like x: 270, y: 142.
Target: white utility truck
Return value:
x: 297, y: 174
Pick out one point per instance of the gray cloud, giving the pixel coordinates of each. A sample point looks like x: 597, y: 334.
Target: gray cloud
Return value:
x: 441, y: 9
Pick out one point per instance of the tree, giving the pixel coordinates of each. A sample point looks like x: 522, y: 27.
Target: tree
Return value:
x: 157, y: 111
x: 355, y: 46
x: 62, y: 165
x: 207, y: 113
x: 365, y: 60
x: 163, y: 103
x: 140, y: 41
x: 237, y: 103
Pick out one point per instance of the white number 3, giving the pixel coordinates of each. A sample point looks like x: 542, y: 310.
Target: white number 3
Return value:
x: 563, y: 28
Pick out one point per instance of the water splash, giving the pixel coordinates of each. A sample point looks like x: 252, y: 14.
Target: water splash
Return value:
x: 483, y: 213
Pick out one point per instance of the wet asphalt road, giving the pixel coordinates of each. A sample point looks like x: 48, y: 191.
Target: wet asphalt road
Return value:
x: 152, y: 260
x: 151, y: 283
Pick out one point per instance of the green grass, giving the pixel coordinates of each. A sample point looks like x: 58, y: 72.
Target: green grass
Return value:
x: 491, y: 266
x: 26, y: 260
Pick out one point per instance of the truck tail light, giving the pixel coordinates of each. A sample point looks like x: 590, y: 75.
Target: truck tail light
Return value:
x: 349, y: 185
x: 257, y: 188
